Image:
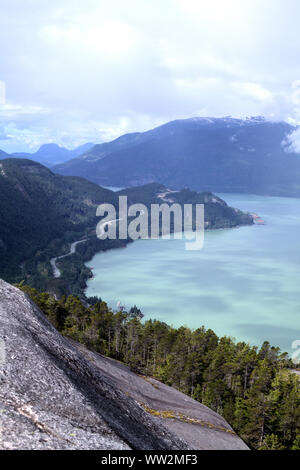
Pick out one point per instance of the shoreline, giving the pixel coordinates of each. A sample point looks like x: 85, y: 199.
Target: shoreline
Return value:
x: 83, y: 268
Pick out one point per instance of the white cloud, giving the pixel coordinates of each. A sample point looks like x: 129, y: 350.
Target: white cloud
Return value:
x: 292, y: 142
x: 90, y: 70
x: 13, y: 111
x: 2, y: 93
x: 255, y: 91
x: 108, y: 38
x: 17, y: 137
x: 215, y: 11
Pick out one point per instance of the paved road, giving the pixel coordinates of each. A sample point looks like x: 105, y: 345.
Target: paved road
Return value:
x: 55, y: 269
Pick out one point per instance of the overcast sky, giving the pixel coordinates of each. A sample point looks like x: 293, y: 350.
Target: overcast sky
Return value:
x: 90, y: 70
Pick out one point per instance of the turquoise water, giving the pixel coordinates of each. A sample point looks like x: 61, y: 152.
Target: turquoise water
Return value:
x: 244, y: 283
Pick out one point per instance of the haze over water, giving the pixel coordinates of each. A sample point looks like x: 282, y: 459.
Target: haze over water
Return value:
x: 244, y: 283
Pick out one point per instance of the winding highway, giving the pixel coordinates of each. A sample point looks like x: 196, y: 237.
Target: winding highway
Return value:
x: 55, y: 269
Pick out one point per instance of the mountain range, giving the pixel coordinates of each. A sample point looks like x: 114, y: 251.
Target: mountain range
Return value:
x: 204, y: 154
x: 50, y: 154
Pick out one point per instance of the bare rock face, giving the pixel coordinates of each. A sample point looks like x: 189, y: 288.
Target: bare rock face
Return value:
x: 196, y: 424
x: 51, y: 397
x: 54, y: 394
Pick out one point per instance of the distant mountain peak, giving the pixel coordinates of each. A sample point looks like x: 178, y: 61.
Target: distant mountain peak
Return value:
x: 51, y: 153
x: 50, y: 145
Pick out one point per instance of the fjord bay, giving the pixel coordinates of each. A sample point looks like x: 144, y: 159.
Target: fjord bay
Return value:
x: 243, y: 283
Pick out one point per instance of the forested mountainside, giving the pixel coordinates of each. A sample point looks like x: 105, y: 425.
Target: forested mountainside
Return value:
x: 218, y: 155
x: 253, y: 389
x: 43, y: 213
x: 217, y: 213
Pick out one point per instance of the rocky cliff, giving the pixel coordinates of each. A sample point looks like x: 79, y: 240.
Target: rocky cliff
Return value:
x: 55, y: 394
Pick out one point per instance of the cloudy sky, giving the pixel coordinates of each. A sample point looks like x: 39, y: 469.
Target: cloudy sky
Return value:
x: 74, y: 71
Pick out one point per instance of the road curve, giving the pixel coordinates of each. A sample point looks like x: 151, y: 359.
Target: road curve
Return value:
x: 55, y: 269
